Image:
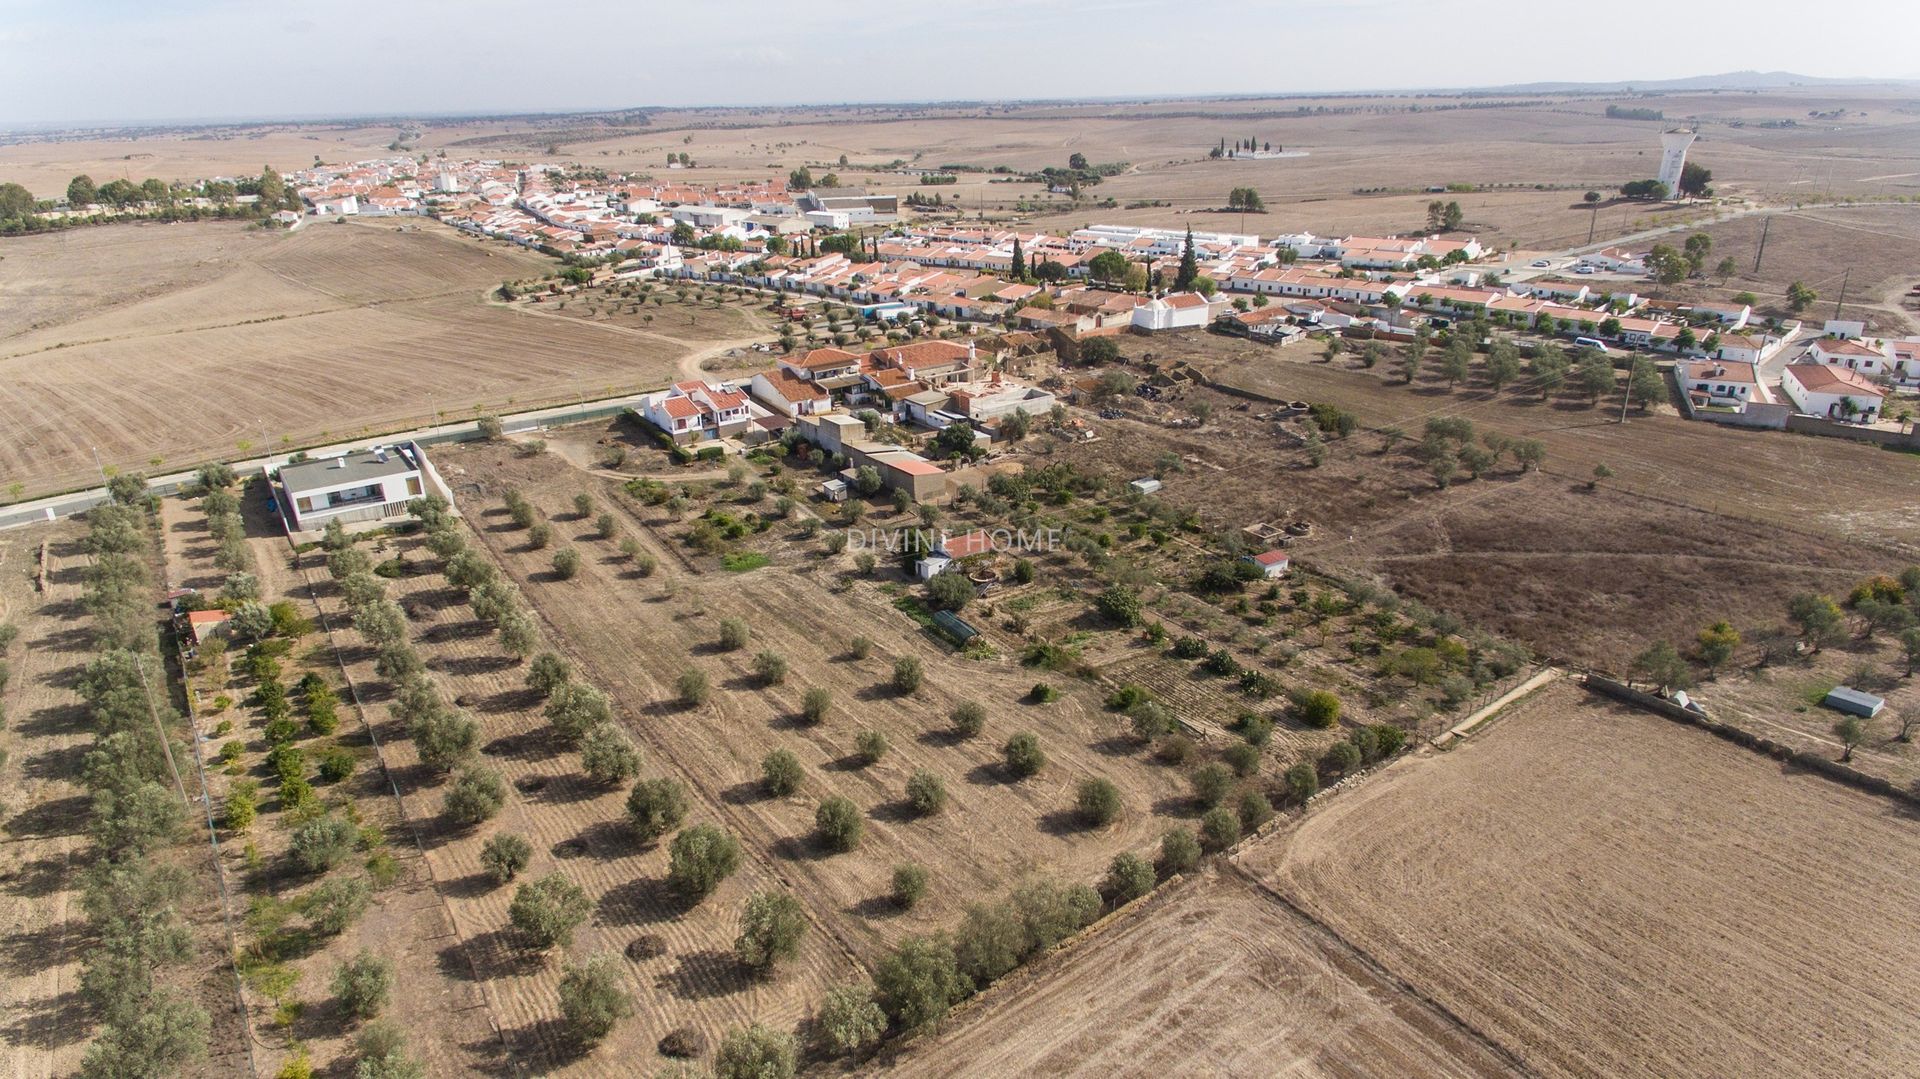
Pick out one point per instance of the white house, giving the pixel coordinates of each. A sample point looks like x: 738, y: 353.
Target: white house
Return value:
x: 694, y: 410
x: 780, y: 391
x: 343, y: 206
x: 1831, y: 392
x: 1742, y: 348
x: 1175, y: 311
x: 365, y: 485
x: 1616, y: 259
x: 1722, y: 382
x: 1862, y: 355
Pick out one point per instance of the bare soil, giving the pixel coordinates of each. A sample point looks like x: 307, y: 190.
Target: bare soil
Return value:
x: 1211, y: 975
x: 1602, y: 891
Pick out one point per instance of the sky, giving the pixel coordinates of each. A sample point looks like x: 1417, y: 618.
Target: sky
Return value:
x: 74, y: 62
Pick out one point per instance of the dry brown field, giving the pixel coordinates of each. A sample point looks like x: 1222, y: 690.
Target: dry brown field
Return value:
x: 1210, y: 976
x: 1698, y: 522
x: 236, y: 341
x: 45, y: 1022
x: 1871, y: 250
x: 1601, y: 891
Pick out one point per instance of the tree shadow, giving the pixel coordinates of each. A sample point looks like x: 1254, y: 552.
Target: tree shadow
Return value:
x: 1064, y: 822
x: 640, y: 901
x: 471, y: 886
x: 988, y: 775
x: 801, y: 848
x: 705, y: 975
x: 524, y: 745
x: 498, y: 953
x: 43, y: 877
x: 876, y: 907
x: 54, y: 817
x: 34, y: 950
x: 746, y: 792
x: 49, y: 1023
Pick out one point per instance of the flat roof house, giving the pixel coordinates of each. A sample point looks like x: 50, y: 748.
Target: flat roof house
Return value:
x: 365, y: 485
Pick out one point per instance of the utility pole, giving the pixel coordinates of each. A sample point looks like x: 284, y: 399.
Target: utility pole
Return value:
x: 1843, y: 293
x: 1593, y: 223
x: 1626, y: 397
x: 1766, y: 225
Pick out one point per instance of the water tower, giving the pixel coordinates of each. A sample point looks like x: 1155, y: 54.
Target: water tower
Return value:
x: 1673, y: 157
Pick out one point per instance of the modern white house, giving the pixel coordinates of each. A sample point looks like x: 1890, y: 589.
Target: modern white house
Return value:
x: 365, y: 485
x: 1854, y: 354
x: 1272, y: 564
x: 694, y: 410
x: 1831, y: 392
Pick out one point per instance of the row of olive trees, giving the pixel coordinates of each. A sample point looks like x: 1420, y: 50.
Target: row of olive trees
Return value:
x: 130, y: 897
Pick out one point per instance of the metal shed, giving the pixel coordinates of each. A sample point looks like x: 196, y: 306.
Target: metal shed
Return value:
x: 951, y: 625
x: 1853, y: 702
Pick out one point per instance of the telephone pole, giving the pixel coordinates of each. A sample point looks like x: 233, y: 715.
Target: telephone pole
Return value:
x: 1844, y: 278
x: 1766, y: 225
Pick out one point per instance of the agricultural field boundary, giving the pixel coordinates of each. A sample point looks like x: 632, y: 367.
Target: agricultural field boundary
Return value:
x: 1834, y: 770
x: 1473, y: 722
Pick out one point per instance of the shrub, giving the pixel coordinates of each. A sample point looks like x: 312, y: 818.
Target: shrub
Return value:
x: 336, y: 763
x: 1042, y: 693
x: 1254, y: 810
x: 566, y: 563
x: 320, y: 844
x: 656, y: 807
x: 362, y: 984
x: 701, y: 857
x: 1023, y: 755
x: 548, y: 910
x: 547, y: 673
x: 1179, y: 852
x: 1097, y: 802
x: 733, y: 634
x: 576, y: 708
x: 755, y: 1052
x: 1317, y: 708
x: 504, y: 856
x: 443, y: 739
x: 1150, y: 720
x: 692, y: 688
x: 815, y: 705
x: 870, y: 745
x: 968, y: 718
x: 1129, y: 877
x: 907, y: 675
x: 476, y: 794
x: 1341, y: 758
x: 1120, y: 605
x: 1256, y: 728
x: 383, y: 1054
x: 918, y: 982
x: 608, y: 756
x: 336, y: 904
x: 780, y: 772
x: 949, y: 592
x: 1219, y: 829
x: 593, y: 998
x: 771, y: 926
x: 926, y: 793
x: 540, y: 536
x: 909, y: 885
x: 1189, y: 648
x: 1243, y: 758
x: 1388, y: 739
x: 683, y: 1042
x: 838, y: 824
x: 1174, y: 750
x: 770, y: 668
x: 1211, y: 784
x: 849, y: 1021
x: 1302, y: 782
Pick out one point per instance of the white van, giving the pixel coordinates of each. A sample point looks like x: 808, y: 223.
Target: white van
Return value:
x: 1593, y: 343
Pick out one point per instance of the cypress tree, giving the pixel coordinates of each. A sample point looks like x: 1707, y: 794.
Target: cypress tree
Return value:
x: 1189, y: 266
x: 1019, y: 262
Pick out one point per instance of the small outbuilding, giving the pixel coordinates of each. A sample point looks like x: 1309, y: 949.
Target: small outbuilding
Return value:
x: 1272, y: 563
x: 1853, y: 702
x: 1145, y: 486
x: 954, y: 627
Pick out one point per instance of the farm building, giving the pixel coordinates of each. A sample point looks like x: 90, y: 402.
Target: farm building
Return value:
x: 1853, y: 702
x: 1271, y: 563
x: 209, y: 623
x: 366, y: 485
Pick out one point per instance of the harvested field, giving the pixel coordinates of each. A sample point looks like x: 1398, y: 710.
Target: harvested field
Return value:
x: 250, y: 341
x: 1601, y: 891
x: 1210, y: 976
x: 1874, y: 250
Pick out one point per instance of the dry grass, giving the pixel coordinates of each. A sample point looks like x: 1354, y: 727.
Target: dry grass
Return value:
x: 1600, y: 891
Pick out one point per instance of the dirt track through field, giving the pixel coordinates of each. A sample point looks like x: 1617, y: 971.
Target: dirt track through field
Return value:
x: 1601, y: 891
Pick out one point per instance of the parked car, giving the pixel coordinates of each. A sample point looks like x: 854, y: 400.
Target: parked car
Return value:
x: 1593, y: 343
x: 1540, y: 263
x: 1583, y: 269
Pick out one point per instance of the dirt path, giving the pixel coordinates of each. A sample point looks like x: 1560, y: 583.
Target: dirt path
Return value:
x: 44, y: 1024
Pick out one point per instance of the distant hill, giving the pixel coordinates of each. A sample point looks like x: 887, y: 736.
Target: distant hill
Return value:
x: 1732, y: 80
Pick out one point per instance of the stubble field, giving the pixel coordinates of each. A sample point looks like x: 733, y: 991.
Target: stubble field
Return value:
x: 233, y: 341
x: 1601, y: 891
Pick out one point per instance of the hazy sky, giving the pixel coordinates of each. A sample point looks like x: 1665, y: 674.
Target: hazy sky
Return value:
x: 72, y: 61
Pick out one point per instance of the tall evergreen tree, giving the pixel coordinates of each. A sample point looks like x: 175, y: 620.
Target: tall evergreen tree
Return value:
x: 1019, y: 270
x: 1189, y: 266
